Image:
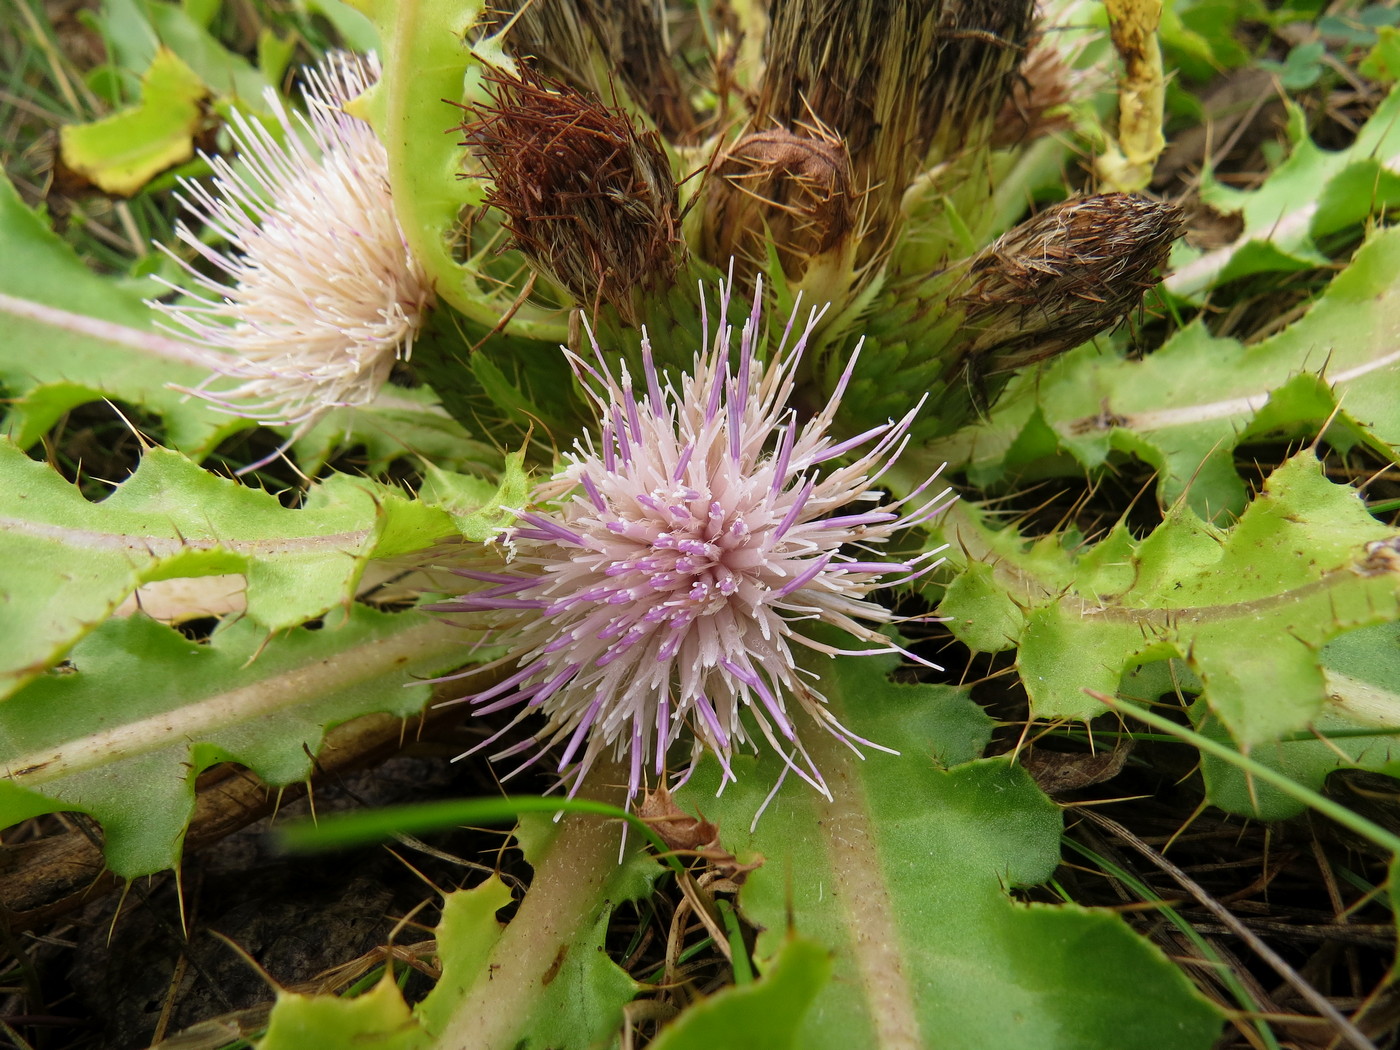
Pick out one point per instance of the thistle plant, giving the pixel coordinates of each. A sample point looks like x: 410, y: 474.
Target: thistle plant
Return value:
x: 686, y: 306
x: 653, y: 592
x: 840, y: 167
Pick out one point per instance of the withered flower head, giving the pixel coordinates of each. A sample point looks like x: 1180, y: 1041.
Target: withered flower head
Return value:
x: 589, y: 197
x: 1047, y: 83
x: 1062, y: 277
x: 603, y: 47
x: 791, y: 190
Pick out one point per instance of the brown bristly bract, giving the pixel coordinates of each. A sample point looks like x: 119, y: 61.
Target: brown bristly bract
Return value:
x: 585, y: 43
x: 904, y: 84
x: 588, y: 197
x: 1077, y: 269
x: 1065, y: 275
x: 1045, y: 84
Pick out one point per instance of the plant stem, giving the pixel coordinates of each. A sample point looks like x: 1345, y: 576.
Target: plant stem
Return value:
x: 570, y: 887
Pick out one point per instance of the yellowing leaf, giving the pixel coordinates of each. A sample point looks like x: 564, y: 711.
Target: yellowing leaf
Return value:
x: 122, y: 152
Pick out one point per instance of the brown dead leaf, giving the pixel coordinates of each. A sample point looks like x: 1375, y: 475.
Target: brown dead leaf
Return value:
x: 677, y: 828
x: 1059, y: 772
x: 693, y: 835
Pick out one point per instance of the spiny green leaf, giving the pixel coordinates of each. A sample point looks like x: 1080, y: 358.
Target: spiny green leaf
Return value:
x: 545, y: 981
x: 479, y: 509
x: 1350, y: 819
x: 53, y: 358
x: 578, y: 1006
x: 466, y: 933
x: 1248, y: 608
x: 580, y: 1003
x: 1185, y: 408
x: 768, y: 1013
x: 904, y: 877
x: 1359, y: 728
x: 377, y: 1020
x: 399, y: 422
x: 69, y: 563
x: 124, y: 731
x: 1293, y: 206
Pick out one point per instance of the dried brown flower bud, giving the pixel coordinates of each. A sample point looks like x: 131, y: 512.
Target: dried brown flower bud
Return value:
x: 589, y: 197
x: 1044, y: 87
x: 1061, y: 277
x: 1057, y: 280
x: 790, y: 190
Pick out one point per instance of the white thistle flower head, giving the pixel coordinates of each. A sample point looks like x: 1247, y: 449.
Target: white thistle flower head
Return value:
x: 660, y: 586
x: 324, y: 292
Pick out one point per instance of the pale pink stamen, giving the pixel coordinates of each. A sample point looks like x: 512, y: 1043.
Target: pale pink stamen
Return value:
x: 325, y: 294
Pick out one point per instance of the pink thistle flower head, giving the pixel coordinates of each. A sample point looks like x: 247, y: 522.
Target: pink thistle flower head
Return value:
x: 658, y: 589
x: 323, y: 294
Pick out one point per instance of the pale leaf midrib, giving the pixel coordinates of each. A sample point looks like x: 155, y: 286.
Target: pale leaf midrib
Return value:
x: 871, y: 920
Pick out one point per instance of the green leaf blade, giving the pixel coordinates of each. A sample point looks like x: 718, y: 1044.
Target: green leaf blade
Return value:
x: 124, y: 732
x: 767, y: 1013
x: 904, y: 877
